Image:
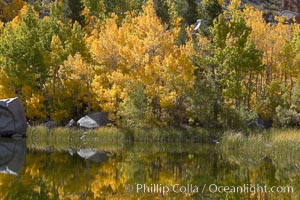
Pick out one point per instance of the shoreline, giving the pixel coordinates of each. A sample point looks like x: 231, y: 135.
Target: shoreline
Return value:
x: 115, y: 134
x: 286, y: 139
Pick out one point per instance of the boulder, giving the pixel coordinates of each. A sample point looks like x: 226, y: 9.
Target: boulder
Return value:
x: 72, y: 123
x: 49, y: 124
x: 290, y: 15
x: 93, y: 120
x: 259, y: 123
x: 92, y: 155
x: 255, y: 124
x: 12, y: 157
x: 12, y: 118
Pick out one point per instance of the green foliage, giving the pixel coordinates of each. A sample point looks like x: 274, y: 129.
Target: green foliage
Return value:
x: 133, y: 109
x: 275, y: 96
x: 187, y: 10
x: 204, y: 100
x: 209, y: 11
x: 22, y: 49
x: 295, y: 98
x: 161, y: 9
x: 95, y: 7
x: 236, y: 119
x: 225, y: 64
x: 32, y: 51
x: 286, y: 117
x: 289, y: 116
x: 234, y: 54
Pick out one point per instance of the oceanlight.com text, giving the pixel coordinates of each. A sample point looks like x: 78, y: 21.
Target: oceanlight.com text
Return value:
x: 206, y: 188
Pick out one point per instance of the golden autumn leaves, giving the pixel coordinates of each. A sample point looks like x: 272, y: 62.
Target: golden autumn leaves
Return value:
x: 140, y: 53
x: 103, y: 69
x: 134, y: 69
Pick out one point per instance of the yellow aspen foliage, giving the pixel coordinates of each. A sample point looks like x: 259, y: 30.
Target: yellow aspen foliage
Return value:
x: 78, y: 69
x: 4, y: 179
x: 271, y: 39
x: 276, y: 42
x: 107, y: 179
x: 75, y: 78
x: 221, y: 2
x: 91, y: 21
x: 168, y: 100
x: 34, y: 103
x: 5, y: 89
x: 140, y: 52
x: 22, y: 12
x: 297, y: 46
x: 56, y: 58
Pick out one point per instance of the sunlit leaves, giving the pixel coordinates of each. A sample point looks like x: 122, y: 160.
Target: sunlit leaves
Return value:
x: 140, y: 52
x: 146, y: 70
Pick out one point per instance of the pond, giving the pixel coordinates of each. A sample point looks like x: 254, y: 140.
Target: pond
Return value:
x: 144, y: 171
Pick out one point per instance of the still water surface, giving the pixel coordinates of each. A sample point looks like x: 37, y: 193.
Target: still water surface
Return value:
x: 142, y: 171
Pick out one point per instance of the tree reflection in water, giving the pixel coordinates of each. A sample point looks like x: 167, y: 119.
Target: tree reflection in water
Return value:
x: 54, y: 174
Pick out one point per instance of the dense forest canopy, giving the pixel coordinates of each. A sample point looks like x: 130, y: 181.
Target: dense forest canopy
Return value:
x: 142, y: 63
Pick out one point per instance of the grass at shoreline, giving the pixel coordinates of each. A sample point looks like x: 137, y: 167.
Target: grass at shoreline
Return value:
x: 274, y: 144
x: 262, y: 143
x: 62, y: 138
x: 230, y: 139
x: 275, y: 151
x: 113, y: 139
x: 272, y: 138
